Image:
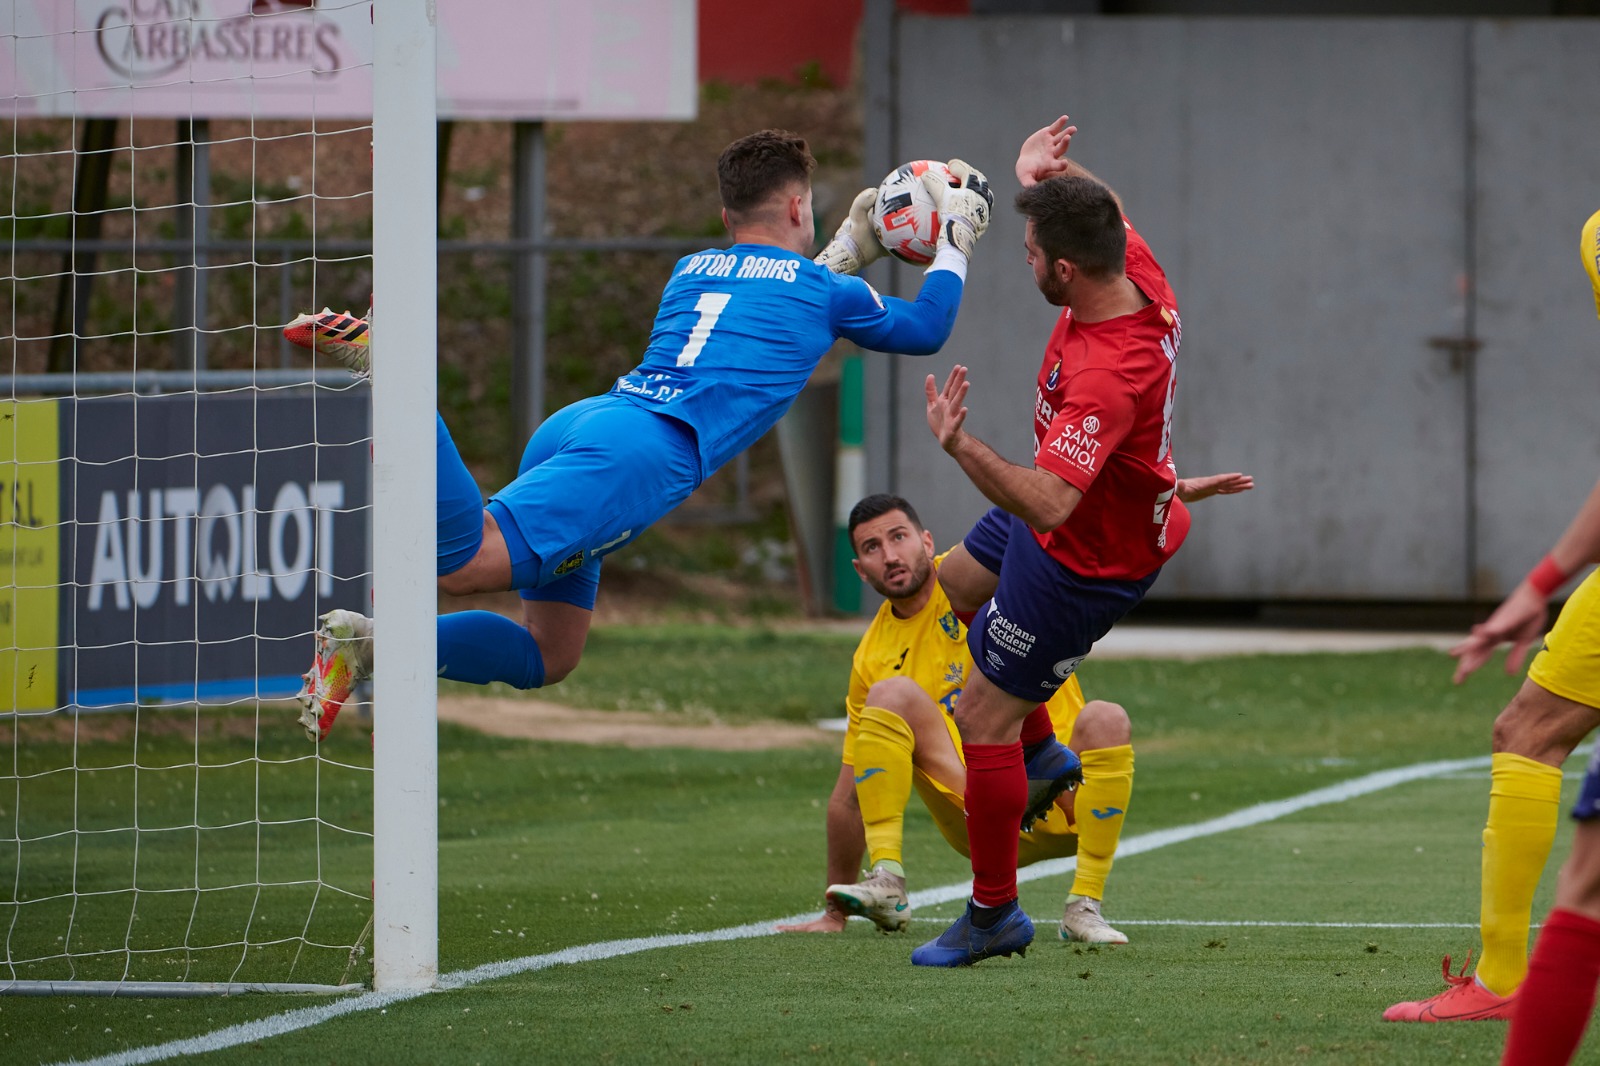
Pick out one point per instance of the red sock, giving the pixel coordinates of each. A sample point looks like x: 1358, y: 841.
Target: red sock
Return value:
x: 1037, y: 725
x: 997, y: 794
x: 1554, y: 1001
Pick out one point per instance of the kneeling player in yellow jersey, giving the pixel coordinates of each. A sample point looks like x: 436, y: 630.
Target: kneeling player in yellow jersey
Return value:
x: 907, y: 674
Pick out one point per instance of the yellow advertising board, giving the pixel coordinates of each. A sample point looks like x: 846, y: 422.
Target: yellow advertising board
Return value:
x: 30, y: 554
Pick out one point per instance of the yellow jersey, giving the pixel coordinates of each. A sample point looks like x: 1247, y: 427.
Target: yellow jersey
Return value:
x: 1589, y: 247
x: 930, y: 647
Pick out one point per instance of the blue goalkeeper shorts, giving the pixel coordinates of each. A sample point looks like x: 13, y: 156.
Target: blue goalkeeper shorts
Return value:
x: 594, y: 476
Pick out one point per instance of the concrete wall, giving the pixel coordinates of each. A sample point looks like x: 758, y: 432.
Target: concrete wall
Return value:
x: 1371, y: 226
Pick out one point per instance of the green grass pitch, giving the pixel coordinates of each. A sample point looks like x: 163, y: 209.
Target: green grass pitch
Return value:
x: 549, y: 847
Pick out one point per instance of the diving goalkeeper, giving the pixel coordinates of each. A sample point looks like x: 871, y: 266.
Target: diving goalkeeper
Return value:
x: 737, y: 334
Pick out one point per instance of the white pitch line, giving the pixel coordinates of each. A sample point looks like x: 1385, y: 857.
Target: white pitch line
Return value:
x: 1240, y: 819
x: 295, y: 1020
x: 1202, y: 923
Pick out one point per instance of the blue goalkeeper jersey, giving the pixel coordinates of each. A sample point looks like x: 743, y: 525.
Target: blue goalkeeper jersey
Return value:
x: 740, y: 331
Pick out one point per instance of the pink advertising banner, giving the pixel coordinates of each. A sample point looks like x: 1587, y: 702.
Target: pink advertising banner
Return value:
x: 497, y: 59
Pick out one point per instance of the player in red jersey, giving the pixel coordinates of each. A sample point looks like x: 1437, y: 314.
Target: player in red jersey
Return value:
x: 1077, y: 538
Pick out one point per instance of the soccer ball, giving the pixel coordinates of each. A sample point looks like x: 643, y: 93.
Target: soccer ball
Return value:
x: 903, y: 217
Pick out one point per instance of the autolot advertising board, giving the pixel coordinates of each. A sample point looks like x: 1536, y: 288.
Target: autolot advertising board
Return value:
x: 176, y: 548
x: 497, y: 59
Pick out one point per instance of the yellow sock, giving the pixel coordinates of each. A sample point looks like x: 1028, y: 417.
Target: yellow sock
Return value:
x: 1101, y: 804
x: 883, y: 750
x: 1524, y: 807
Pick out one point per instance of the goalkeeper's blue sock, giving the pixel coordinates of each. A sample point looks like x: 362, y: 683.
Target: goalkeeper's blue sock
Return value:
x: 480, y: 646
x: 459, y: 509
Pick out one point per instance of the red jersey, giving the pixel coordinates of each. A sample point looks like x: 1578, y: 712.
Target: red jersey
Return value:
x: 1103, y: 424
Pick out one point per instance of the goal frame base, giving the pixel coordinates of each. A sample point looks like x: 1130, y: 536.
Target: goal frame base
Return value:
x: 170, y: 989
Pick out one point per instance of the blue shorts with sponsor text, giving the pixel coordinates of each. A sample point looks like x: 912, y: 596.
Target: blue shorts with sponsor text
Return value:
x: 594, y: 476
x: 1043, y: 618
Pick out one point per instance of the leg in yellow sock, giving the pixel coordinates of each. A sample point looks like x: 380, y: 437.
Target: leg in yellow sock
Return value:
x: 1553, y: 710
x: 1545, y: 720
x: 1524, y: 807
x: 884, y: 748
x: 901, y: 733
x: 1102, y: 737
x: 1101, y: 804
x: 1532, y: 738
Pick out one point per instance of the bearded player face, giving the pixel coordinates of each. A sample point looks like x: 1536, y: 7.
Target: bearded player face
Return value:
x: 893, y: 555
x: 1046, y: 274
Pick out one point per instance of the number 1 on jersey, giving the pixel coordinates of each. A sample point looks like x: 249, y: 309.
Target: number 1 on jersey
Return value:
x: 710, y: 305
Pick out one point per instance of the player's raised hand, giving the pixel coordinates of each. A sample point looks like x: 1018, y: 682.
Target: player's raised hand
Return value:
x: 1191, y: 489
x: 945, y: 411
x: 1043, y: 154
x: 963, y: 211
x: 854, y: 244
x: 1519, y: 621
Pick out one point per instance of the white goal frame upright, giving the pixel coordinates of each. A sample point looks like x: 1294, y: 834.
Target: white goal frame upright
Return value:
x: 405, y: 790
x: 526, y: 76
x: 405, y: 912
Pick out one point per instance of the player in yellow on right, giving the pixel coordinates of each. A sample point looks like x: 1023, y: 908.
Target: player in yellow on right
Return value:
x: 1556, y: 708
x: 1555, y: 1001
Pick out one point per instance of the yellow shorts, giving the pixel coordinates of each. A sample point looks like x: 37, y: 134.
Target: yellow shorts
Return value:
x: 1569, y: 663
x: 1052, y: 837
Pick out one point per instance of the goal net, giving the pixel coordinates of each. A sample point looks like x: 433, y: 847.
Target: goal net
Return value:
x: 182, y: 493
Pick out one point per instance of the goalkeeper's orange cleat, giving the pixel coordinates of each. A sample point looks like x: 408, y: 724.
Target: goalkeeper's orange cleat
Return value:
x: 1463, y: 1000
x: 342, y: 336
x: 344, y: 658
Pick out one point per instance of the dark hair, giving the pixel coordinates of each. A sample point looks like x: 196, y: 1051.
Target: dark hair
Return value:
x: 753, y: 168
x: 1079, y: 220
x: 876, y: 506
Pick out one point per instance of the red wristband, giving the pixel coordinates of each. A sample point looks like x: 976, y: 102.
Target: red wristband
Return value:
x: 1547, y: 577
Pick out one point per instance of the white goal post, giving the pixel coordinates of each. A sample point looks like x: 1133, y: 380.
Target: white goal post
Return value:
x: 182, y: 493
x: 404, y: 269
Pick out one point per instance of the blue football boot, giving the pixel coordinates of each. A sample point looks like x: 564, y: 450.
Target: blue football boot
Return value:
x: 1052, y: 768
x: 964, y: 943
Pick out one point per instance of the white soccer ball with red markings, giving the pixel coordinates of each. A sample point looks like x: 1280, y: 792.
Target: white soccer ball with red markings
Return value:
x: 904, y: 218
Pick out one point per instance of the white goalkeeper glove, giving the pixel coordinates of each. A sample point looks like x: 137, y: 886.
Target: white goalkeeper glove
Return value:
x: 854, y: 243
x: 964, y: 210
